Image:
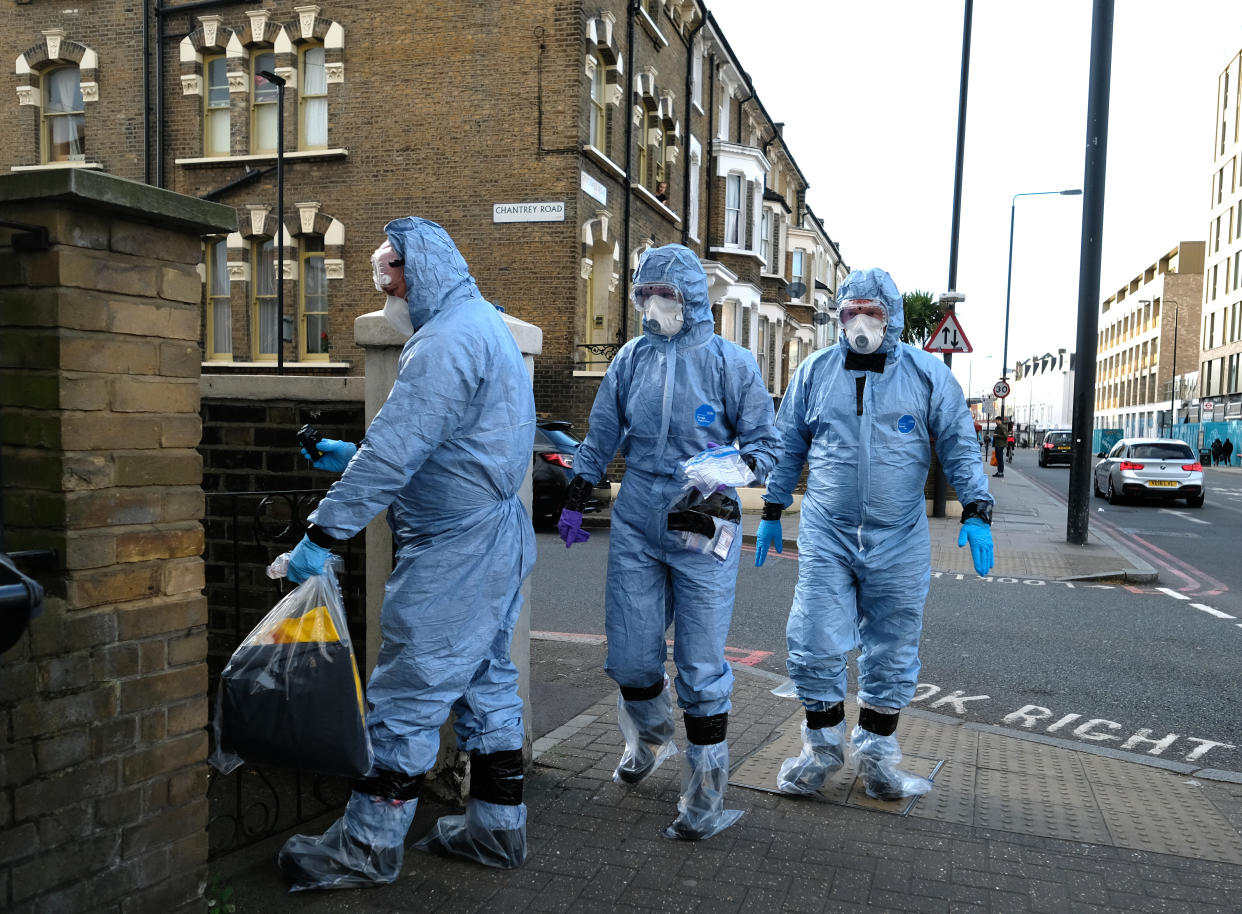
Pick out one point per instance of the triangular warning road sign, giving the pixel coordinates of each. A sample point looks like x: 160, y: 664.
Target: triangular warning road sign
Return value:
x: 948, y: 336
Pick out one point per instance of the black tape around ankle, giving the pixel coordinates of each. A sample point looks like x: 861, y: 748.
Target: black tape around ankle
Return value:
x: 877, y: 723
x: 707, y: 731
x: 829, y: 717
x: 642, y: 693
x: 391, y: 785
x: 497, y: 777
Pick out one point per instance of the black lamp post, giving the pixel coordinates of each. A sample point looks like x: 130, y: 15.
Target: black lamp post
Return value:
x: 1009, y: 281
x: 279, y: 83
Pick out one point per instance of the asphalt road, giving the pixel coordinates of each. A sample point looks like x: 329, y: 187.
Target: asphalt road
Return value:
x: 1137, y: 669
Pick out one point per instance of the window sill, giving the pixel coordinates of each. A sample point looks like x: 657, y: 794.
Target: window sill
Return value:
x: 300, y: 154
x: 649, y: 25
x: 650, y: 199
x: 578, y: 373
x: 598, y: 157
x: 221, y: 363
x: 51, y: 165
x: 736, y: 251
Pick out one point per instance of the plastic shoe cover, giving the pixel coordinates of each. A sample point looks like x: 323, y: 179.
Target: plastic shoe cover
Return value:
x: 700, y: 808
x: 823, y: 755
x: 877, y: 758
x: 364, y: 847
x: 648, y: 730
x: 489, y: 833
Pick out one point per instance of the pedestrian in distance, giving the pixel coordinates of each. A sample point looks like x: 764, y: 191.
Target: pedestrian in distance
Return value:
x: 1009, y: 443
x: 1216, y: 449
x: 1226, y: 451
x: 1000, y: 437
x: 669, y: 395
x: 446, y: 456
x: 863, y: 417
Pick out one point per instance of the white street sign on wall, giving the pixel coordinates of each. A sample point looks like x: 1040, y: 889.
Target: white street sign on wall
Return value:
x: 549, y: 211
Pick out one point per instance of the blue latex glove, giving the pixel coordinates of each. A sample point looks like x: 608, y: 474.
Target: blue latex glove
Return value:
x: 570, y: 528
x: 979, y: 535
x: 336, y: 455
x: 769, y: 535
x: 306, y: 561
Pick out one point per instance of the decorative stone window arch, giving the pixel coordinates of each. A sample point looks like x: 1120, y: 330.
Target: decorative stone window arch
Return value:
x: 649, y: 125
x: 55, y: 52
x: 605, y: 71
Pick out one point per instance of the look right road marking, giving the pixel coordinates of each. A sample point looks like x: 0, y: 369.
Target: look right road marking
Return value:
x: 1212, y: 612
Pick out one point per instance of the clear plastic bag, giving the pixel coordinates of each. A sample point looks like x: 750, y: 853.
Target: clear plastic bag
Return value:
x: 703, y: 517
x: 290, y: 696
x: 718, y: 467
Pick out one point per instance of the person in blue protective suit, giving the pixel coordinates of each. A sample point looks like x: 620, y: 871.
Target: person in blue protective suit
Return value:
x: 667, y: 396
x: 864, y: 416
x: 445, y: 455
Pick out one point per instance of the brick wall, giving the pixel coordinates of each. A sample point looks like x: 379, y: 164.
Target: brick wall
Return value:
x: 103, y: 703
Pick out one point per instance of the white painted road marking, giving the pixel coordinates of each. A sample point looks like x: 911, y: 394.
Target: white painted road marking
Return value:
x: 1173, y: 593
x: 1212, y: 612
x: 1184, y: 516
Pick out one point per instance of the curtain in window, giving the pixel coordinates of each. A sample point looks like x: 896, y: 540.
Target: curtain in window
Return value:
x: 66, y: 139
x: 221, y: 307
x: 314, y: 101
x: 265, y: 105
x: 265, y: 297
x: 733, y: 206
x: 315, y: 305
x: 217, y: 129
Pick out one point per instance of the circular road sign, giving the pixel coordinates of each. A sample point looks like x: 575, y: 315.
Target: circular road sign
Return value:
x: 1001, y: 389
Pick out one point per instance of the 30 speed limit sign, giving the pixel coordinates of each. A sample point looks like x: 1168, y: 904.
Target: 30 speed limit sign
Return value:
x: 1001, y: 389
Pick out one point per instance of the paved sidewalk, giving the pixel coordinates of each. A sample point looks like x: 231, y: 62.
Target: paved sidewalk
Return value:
x: 1016, y: 822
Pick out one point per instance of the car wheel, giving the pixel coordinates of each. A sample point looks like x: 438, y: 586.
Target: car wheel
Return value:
x: 1112, y: 496
x: 1194, y: 501
x: 1042, y: 463
x: 1095, y: 487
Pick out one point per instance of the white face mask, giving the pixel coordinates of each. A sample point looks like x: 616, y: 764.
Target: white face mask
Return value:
x: 664, y: 315
x: 397, y: 310
x: 865, y: 333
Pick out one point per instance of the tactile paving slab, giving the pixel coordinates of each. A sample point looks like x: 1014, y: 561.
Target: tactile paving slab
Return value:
x: 1010, y: 784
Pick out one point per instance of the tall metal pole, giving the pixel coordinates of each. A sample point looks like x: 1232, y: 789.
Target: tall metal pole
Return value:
x: 940, y: 487
x: 279, y: 83
x: 1094, y: 172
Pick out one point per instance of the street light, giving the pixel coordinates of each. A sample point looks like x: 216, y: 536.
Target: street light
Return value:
x: 279, y: 83
x: 1009, y: 281
x: 1177, y: 309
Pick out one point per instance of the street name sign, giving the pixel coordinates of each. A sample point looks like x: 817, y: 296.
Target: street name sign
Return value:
x: 948, y: 336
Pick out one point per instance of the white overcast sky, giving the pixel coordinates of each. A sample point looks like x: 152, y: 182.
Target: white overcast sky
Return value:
x: 868, y: 91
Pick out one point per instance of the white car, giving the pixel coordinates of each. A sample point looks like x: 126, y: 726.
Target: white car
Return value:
x: 1163, y: 468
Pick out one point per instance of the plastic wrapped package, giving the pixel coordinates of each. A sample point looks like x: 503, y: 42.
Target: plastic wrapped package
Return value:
x: 718, y: 467
x: 290, y: 696
x: 700, y: 808
x: 876, y: 758
x: 704, y: 517
x: 823, y: 755
x: 648, y: 730
x: 364, y: 847
x: 493, y: 834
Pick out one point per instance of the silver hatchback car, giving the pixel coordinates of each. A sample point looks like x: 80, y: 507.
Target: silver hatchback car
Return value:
x: 1163, y: 468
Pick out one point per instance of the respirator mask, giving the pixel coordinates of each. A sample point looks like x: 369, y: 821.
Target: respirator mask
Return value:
x: 864, y: 322
x: 662, y: 306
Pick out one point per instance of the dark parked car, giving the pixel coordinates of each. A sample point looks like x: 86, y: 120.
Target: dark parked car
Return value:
x: 1057, y: 447
x: 555, y: 449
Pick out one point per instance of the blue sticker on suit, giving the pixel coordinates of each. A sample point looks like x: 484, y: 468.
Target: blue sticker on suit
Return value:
x: 705, y: 415
x: 905, y: 424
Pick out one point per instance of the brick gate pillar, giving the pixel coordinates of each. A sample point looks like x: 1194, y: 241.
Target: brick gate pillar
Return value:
x: 103, y: 702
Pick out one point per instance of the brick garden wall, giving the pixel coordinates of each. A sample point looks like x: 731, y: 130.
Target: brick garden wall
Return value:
x: 103, y: 702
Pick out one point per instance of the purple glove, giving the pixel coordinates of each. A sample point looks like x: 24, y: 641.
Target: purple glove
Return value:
x: 570, y: 528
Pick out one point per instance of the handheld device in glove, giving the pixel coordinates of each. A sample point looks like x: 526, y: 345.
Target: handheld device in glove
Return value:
x: 309, y: 437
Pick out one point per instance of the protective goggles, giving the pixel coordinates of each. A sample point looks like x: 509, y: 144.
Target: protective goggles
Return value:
x: 643, y: 292
x: 853, y: 307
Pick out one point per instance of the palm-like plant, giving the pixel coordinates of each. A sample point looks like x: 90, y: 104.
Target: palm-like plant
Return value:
x: 922, y: 316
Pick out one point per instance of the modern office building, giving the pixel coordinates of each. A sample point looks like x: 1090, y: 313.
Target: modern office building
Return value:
x: 1149, y: 343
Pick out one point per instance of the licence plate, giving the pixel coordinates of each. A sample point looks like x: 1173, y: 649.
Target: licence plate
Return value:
x: 1063, y: 447
x: 1161, y: 482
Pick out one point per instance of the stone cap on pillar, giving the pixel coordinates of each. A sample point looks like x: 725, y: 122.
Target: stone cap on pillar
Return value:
x: 373, y: 330
x: 130, y: 199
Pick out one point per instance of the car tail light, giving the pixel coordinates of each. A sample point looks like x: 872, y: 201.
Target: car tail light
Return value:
x: 1048, y: 445
x: 1193, y: 467
x: 561, y: 460
x: 1127, y: 465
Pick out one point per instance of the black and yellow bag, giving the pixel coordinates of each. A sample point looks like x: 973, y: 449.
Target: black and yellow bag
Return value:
x: 290, y: 696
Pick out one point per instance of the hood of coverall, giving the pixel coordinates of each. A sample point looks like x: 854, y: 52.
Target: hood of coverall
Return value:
x: 876, y: 285
x: 679, y: 266
x: 436, y: 275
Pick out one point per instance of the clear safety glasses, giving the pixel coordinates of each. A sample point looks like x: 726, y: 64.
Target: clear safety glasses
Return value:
x: 853, y: 307
x: 642, y: 293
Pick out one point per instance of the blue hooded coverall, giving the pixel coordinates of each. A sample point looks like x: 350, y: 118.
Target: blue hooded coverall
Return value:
x: 661, y: 402
x: 863, y: 546
x: 446, y: 456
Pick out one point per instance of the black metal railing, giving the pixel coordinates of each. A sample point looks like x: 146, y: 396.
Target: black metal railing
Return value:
x: 245, y: 531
